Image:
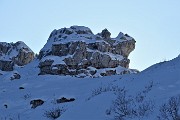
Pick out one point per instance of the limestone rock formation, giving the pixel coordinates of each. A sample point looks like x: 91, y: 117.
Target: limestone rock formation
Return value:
x: 78, y: 52
x: 14, y: 53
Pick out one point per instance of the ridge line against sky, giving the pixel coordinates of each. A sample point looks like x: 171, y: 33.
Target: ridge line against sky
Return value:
x: 154, y: 24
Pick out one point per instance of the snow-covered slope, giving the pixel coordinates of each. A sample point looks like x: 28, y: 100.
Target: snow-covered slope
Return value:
x: 95, y: 98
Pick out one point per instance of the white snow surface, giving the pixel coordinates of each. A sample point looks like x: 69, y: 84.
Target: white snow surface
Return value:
x: 164, y: 77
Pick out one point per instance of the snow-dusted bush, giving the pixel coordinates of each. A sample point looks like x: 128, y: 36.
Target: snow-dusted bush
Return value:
x: 128, y: 107
x: 54, y: 113
x: 10, y: 117
x: 170, y: 110
x: 148, y: 87
x: 103, y: 89
x: 123, y: 106
x: 142, y: 94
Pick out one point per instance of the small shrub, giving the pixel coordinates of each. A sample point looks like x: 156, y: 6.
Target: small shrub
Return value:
x: 53, y: 101
x: 123, y: 107
x: 140, y: 97
x: 27, y: 96
x: 128, y: 107
x: 142, y: 94
x: 148, y: 87
x: 103, y: 89
x: 54, y: 113
x: 10, y: 117
x: 145, y: 108
x: 169, y: 110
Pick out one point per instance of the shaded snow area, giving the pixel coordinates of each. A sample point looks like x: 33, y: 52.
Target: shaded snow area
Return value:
x: 149, y: 95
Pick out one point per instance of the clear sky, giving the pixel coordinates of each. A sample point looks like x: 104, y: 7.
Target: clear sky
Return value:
x: 155, y: 24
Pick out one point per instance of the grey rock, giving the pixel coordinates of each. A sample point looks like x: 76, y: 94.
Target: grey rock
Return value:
x: 105, y: 34
x: 36, y: 103
x: 14, y: 53
x: 81, y: 30
x: 23, y: 58
x: 114, y: 63
x: 124, y: 48
x: 72, y: 47
x: 45, y: 67
x: 63, y: 100
x: 105, y: 59
x: 60, y: 49
x: 4, y: 47
x: 6, y: 65
x: 84, y: 54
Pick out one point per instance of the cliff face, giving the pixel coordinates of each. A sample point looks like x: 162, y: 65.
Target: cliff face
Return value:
x: 14, y: 53
x: 78, y: 52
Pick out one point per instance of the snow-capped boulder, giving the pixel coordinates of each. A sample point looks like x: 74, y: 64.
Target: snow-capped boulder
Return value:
x: 78, y: 52
x: 15, y: 76
x: 14, y: 53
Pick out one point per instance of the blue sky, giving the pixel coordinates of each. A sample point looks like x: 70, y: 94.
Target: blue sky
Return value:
x: 155, y: 24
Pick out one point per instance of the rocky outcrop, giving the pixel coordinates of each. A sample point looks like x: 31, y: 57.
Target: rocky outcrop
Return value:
x: 36, y: 103
x: 78, y: 52
x: 14, y: 54
x: 6, y: 65
x: 64, y: 100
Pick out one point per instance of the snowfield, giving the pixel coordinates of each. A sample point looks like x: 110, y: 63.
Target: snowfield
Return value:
x: 104, y: 98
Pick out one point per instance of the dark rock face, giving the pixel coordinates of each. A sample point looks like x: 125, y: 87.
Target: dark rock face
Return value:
x: 36, y: 103
x: 6, y: 65
x: 106, y: 34
x: 78, y: 52
x: 14, y: 53
x: 63, y: 100
x: 21, y: 88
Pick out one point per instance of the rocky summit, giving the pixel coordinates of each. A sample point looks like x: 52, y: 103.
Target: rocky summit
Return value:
x: 14, y: 54
x: 76, y: 51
